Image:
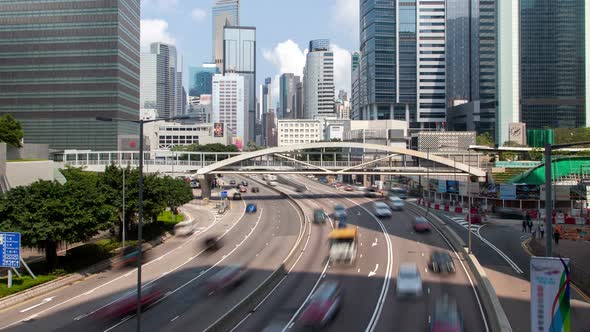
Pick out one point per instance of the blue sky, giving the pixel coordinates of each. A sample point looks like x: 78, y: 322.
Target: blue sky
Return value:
x: 283, y: 27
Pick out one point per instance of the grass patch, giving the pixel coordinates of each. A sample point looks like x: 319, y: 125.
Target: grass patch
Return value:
x: 22, y: 283
x: 24, y: 160
x: 169, y: 218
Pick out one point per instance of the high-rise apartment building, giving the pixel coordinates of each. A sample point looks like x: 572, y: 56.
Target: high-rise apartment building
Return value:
x: 288, y: 96
x: 239, y: 56
x: 355, y: 60
x: 201, y: 79
x: 318, y: 80
x: 553, y: 49
x: 402, y: 63
x: 224, y: 12
x: 180, y: 91
x: 228, y: 105
x: 63, y: 63
x: 161, y: 76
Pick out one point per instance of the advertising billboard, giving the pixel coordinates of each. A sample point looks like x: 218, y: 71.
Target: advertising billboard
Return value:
x: 528, y: 191
x: 433, y: 184
x: 507, y: 191
x: 550, y: 294
x: 218, y: 130
x: 489, y: 190
x: 442, y: 186
x: 452, y: 186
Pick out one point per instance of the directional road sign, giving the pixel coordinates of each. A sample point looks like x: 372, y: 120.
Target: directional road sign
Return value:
x: 9, y: 249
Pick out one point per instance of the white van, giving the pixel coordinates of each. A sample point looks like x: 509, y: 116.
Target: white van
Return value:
x: 395, y: 203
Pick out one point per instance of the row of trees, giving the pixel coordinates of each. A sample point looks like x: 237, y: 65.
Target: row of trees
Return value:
x: 47, y: 212
x: 11, y: 132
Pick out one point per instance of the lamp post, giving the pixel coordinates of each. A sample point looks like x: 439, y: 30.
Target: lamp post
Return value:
x: 123, y: 211
x: 141, y: 122
x: 548, y: 194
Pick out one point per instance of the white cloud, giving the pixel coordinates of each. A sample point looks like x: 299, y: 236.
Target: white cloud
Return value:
x: 155, y: 31
x: 345, y: 17
x: 342, y: 63
x: 199, y: 14
x: 287, y: 57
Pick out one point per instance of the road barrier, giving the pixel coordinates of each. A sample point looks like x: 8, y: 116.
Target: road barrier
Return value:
x: 497, y: 319
x: 250, y: 303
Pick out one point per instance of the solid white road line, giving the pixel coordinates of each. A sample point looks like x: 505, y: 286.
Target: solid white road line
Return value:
x: 38, y: 304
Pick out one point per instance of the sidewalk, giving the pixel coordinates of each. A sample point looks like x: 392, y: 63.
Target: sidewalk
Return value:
x: 578, y: 253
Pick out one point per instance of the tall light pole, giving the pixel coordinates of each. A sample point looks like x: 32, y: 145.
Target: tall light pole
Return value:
x: 141, y: 122
x: 123, y: 210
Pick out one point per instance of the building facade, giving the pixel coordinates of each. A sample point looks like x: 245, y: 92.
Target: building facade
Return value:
x: 318, y: 81
x: 223, y: 12
x: 239, y: 51
x: 200, y: 79
x: 298, y: 131
x: 61, y: 67
x: 288, y: 96
x: 269, y: 120
x: 161, y: 78
x: 166, y: 135
x: 228, y: 106
x: 553, y: 49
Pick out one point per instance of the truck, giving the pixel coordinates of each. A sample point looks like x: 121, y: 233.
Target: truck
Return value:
x: 343, y: 245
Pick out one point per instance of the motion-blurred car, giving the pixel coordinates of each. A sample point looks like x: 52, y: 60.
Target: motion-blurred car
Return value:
x: 420, y: 224
x: 251, y: 208
x: 382, y: 210
x: 128, y: 303
x: 272, y: 183
x: 372, y: 193
x: 237, y: 196
x: 446, y: 317
x: 319, y: 216
x: 245, y: 183
x: 395, y: 203
x: 129, y: 256
x: 409, y: 282
x: 243, y: 189
x: 212, y: 243
x: 227, y: 278
x: 232, y: 182
x: 441, y: 261
x: 348, y: 188
x: 323, y: 305
x: 340, y: 212
x: 255, y: 189
x: 300, y: 189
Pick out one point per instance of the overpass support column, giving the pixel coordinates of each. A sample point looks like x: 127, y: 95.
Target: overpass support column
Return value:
x: 206, y: 181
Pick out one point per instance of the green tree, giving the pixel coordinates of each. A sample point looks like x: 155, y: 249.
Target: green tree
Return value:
x: 485, y: 139
x: 571, y: 135
x: 46, y: 213
x: 11, y: 132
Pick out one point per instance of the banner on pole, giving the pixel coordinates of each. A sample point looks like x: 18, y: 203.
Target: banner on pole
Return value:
x: 550, y: 294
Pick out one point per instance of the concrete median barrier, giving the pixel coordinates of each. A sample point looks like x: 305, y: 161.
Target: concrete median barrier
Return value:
x: 497, y: 319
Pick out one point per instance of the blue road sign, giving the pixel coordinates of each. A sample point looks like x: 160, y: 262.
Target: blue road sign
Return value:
x: 9, y: 249
x: 223, y: 194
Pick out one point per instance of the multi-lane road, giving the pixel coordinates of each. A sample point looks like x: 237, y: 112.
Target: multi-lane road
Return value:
x: 261, y: 241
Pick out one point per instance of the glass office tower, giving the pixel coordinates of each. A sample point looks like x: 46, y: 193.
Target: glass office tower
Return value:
x: 224, y: 12
x: 552, y: 64
x: 201, y: 78
x: 63, y: 63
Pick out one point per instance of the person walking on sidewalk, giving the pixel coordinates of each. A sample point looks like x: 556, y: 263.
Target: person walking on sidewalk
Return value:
x: 524, y: 225
x: 542, y: 230
x: 556, y: 237
x: 529, y: 222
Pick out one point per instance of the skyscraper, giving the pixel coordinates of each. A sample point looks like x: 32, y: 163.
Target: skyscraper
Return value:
x: 224, y: 12
x: 552, y: 64
x: 288, y: 96
x: 318, y: 80
x: 402, y: 62
x: 228, y: 105
x: 65, y: 63
x: 180, y: 103
x: 201, y: 79
x: 265, y: 105
x: 239, y: 56
x: 355, y: 59
x: 161, y: 77
x: 471, y: 65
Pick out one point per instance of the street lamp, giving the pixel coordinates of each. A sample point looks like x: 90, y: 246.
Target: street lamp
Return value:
x: 141, y: 122
x: 548, y: 194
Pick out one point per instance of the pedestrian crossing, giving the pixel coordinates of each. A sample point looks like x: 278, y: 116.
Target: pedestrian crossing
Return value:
x: 465, y: 224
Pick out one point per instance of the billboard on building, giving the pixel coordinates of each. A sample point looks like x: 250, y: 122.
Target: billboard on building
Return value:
x: 489, y: 190
x: 218, y: 130
x: 507, y: 191
x: 528, y: 191
x: 550, y: 294
x: 442, y: 186
x: 452, y: 186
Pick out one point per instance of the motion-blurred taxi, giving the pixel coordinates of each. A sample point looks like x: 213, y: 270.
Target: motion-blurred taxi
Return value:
x: 420, y: 224
x: 127, y: 305
x: 227, y: 278
x: 446, y: 316
x: 323, y: 305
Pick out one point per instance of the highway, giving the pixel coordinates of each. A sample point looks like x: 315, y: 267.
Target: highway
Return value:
x: 178, y: 268
x: 370, y: 302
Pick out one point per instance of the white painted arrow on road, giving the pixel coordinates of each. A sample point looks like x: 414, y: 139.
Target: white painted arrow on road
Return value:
x: 38, y: 304
x: 372, y: 273
x: 374, y: 243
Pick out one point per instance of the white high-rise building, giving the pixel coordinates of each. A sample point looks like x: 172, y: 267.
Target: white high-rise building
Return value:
x: 160, y: 86
x: 228, y: 105
x: 431, y: 62
x: 318, y: 81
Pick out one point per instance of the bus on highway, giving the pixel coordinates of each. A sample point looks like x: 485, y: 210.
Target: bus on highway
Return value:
x: 399, y: 192
x: 343, y: 245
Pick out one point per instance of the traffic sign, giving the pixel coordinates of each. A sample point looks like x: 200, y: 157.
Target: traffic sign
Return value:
x: 9, y: 249
x: 223, y: 194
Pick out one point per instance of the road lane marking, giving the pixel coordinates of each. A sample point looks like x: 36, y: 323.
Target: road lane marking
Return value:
x: 374, y: 272
x: 37, y: 305
x: 175, y: 318
x: 30, y: 318
x: 374, y: 243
